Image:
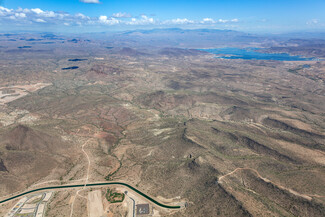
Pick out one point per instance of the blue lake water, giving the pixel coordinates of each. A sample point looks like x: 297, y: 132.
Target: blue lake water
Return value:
x: 252, y: 54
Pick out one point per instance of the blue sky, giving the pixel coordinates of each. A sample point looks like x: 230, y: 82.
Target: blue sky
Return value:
x: 106, y: 15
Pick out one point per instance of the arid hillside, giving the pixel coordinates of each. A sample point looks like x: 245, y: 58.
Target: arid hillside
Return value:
x: 228, y: 137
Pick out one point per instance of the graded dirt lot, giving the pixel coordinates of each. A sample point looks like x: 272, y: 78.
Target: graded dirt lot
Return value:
x: 11, y: 93
x: 95, y: 204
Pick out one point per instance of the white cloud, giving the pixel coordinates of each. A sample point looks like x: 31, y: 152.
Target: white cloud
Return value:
x: 178, y: 21
x: 36, y: 15
x: 5, y: 9
x: 63, y: 15
x: 313, y: 22
x: 25, y: 10
x: 144, y: 20
x: 316, y: 23
x: 33, y: 16
x: 40, y: 20
x: 208, y: 20
x: 82, y: 16
x: 43, y: 13
x: 49, y: 14
x: 37, y: 10
x: 121, y: 15
x: 102, y: 18
x: 108, y: 21
x: 228, y: 21
x: 222, y: 21
x: 20, y: 15
x: 90, y: 1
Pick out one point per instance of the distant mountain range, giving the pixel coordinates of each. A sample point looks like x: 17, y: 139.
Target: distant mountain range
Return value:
x: 188, y: 38
x: 297, y: 43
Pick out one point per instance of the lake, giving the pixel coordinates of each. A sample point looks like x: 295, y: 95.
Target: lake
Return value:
x: 252, y: 54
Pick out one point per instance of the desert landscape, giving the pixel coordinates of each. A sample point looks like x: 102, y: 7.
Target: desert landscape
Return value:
x: 208, y: 136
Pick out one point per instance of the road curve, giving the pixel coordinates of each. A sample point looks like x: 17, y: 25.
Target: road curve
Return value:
x: 90, y: 185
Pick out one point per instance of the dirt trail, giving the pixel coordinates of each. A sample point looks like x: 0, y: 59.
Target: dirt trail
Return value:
x: 86, y: 179
x: 306, y: 196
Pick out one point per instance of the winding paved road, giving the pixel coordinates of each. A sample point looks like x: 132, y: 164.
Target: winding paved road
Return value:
x: 90, y: 185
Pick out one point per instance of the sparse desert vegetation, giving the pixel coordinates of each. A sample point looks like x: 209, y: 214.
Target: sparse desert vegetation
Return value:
x: 229, y: 137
